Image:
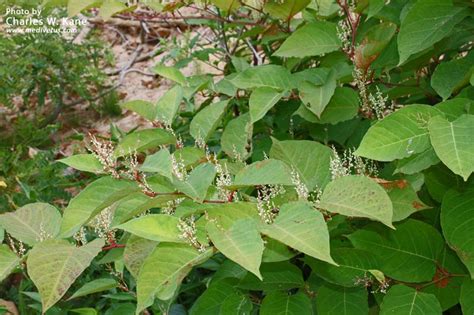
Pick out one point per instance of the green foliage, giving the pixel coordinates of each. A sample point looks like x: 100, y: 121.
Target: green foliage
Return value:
x: 331, y: 172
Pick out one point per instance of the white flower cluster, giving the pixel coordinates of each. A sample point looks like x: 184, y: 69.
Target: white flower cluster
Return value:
x: 373, y: 105
x: 379, y: 104
x: 349, y: 164
x: 178, y: 168
x: 104, y: 152
x: 223, y: 180
x: 344, y: 33
x: 80, y: 236
x: 43, y: 234
x: 101, y: 224
x: 265, y: 205
x: 300, y: 187
x: 187, y: 226
x: 19, y: 249
x: 170, y: 206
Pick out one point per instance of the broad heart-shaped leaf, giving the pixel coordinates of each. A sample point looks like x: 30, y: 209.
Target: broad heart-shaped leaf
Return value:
x: 155, y: 227
x: 276, y: 276
x: 266, y: 172
x: 241, y: 243
x: 83, y: 162
x: 272, y: 76
x: 301, y: 154
x: 303, y: 228
x: 457, y: 213
x: 453, y: 142
x: 285, y: 9
x: 426, y: 23
x: 282, y: 303
x: 343, y: 106
x: 164, y: 269
x: 160, y: 163
x: 97, y: 285
x: 417, y: 162
x: 317, y: 97
x: 451, y: 75
x: 405, y: 202
x: 206, y: 120
x: 407, y: 254
x: 171, y: 73
x: 32, y: 223
x: 335, y: 300
x: 261, y: 101
x: 198, y: 182
x: 221, y: 298
x: 403, y: 300
x: 143, y: 108
x: 467, y: 292
x: 399, y: 135
x: 75, y: 7
x: 168, y: 105
x: 358, y: 196
x: 318, y: 37
x: 373, y: 43
x: 136, y: 251
x: 54, y: 265
x: 93, y: 199
x: 226, y: 214
x: 236, y: 140
x: 8, y: 261
x: 141, y: 140
x: 353, y: 264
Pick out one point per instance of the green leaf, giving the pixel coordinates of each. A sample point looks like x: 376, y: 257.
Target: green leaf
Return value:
x: 142, y: 140
x: 111, y: 7
x: 93, y: 199
x: 456, y: 107
x: 303, y: 228
x: 97, y: 285
x: 467, y: 292
x: 226, y: 5
x: 456, y: 217
x: 236, y: 140
x: 405, y: 202
x: 198, y: 182
x: 280, y: 303
x: 170, y: 73
x: 407, y: 254
x: 300, y: 155
x: 343, y: 106
x: 136, y: 251
x: 54, y: 265
x: 354, y: 264
x: 272, y: 76
x: 221, y: 298
x: 285, y: 9
x: 241, y: 243
x: 399, y: 135
x: 206, y: 121
x: 261, y: 101
x: 32, y: 223
x: 143, y: 108
x: 403, y: 300
x: 454, y: 144
x: 227, y: 214
x: 358, y: 196
x: 426, y: 23
x: 317, y: 97
x: 276, y: 276
x: 155, y: 227
x: 374, y: 7
x: 318, y: 37
x: 8, y: 261
x: 164, y: 269
x: 417, y: 162
x: 160, y: 163
x: 84, y: 162
x: 451, y: 75
x: 335, y: 300
x: 373, y: 43
x: 276, y: 251
x: 168, y: 105
x: 266, y: 172
x: 75, y: 7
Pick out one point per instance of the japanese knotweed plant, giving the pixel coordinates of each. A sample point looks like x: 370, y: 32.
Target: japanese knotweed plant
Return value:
x: 328, y: 169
